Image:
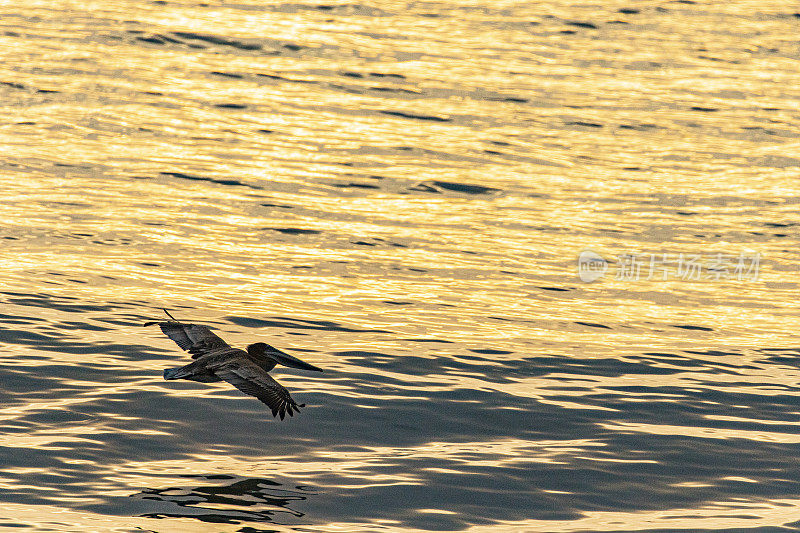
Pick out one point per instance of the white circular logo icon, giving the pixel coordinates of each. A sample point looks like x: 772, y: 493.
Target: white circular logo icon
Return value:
x: 591, y: 266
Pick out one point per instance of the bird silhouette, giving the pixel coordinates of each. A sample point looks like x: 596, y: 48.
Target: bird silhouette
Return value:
x: 216, y: 360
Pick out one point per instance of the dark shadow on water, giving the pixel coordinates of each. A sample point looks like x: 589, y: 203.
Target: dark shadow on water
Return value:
x: 479, y: 431
x: 224, y: 499
x: 297, y: 323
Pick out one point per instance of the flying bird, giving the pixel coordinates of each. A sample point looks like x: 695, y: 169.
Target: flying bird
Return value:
x: 216, y: 360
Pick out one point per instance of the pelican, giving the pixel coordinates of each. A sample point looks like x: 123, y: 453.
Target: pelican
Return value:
x: 216, y: 360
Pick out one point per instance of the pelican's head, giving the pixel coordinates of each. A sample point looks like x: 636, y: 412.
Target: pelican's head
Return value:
x: 261, y: 350
x: 258, y: 349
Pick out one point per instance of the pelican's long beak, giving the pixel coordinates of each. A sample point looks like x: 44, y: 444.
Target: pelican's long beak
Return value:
x: 289, y: 360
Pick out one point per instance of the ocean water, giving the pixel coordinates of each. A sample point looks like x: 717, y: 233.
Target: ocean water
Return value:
x: 400, y: 192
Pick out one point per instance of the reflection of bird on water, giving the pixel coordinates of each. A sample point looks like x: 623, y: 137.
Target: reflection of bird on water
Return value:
x: 216, y: 360
x: 225, y: 499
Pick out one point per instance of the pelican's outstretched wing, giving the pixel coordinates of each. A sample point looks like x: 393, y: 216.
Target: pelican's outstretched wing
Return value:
x: 249, y: 378
x: 196, y: 339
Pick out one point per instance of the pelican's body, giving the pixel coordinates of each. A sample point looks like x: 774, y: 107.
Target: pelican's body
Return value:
x: 216, y: 360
